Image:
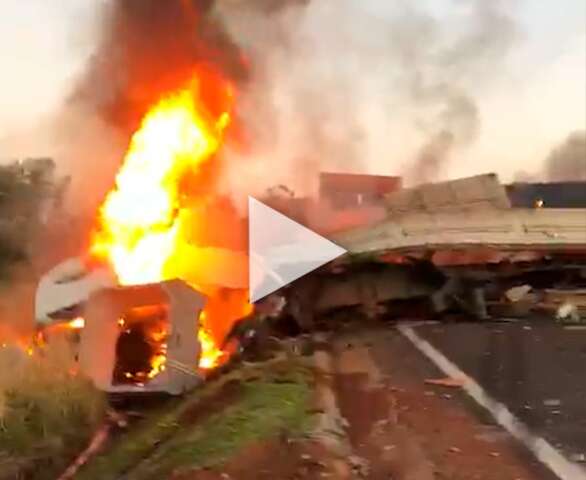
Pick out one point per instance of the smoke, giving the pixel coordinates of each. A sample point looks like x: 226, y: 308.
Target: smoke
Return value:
x: 148, y: 48
x: 144, y: 49
x: 567, y: 162
x: 458, y: 124
x: 368, y: 86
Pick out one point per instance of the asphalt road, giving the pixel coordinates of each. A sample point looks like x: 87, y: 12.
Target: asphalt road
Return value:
x: 538, y: 369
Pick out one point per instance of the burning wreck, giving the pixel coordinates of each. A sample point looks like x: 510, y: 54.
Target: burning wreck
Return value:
x: 163, y: 279
x: 456, y: 246
x: 157, y: 291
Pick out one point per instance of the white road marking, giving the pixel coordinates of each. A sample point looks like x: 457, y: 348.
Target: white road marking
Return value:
x: 546, y: 453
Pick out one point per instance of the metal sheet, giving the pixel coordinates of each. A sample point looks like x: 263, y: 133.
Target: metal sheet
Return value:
x: 520, y: 230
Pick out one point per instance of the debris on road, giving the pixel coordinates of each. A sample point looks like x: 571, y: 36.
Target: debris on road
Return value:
x: 516, y: 294
x: 455, y: 249
x: 568, y: 312
x: 447, y: 382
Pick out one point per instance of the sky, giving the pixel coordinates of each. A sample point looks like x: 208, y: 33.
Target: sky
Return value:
x: 44, y: 45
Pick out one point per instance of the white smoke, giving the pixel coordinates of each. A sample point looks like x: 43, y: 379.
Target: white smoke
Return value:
x: 362, y: 86
x: 44, y: 48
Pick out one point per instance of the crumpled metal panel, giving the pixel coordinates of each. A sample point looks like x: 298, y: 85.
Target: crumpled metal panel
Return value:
x: 67, y: 285
x: 464, y: 256
x: 514, y: 229
x: 483, y: 256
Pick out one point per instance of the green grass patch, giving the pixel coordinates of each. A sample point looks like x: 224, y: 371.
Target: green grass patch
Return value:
x: 271, y: 399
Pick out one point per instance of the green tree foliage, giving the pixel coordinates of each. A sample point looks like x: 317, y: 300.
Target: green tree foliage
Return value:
x: 27, y: 189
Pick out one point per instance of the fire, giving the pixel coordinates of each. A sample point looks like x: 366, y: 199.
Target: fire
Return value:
x: 77, y: 323
x: 213, y: 355
x: 144, y: 222
x: 140, y: 218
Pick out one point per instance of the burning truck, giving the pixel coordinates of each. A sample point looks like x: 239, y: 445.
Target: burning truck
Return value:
x: 163, y: 278
x: 156, y: 293
x: 126, y: 339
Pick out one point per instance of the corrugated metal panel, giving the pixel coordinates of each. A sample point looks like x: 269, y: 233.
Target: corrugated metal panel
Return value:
x: 507, y: 229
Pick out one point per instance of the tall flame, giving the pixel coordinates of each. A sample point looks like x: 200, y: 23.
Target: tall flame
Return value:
x: 143, y: 219
x: 139, y: 219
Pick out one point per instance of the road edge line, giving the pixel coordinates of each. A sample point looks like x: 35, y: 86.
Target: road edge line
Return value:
x: 546, y: 453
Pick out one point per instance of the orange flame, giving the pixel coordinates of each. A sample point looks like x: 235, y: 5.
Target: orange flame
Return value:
x: 77, y: 323
x: 144, y: 219
x: 139, y: 219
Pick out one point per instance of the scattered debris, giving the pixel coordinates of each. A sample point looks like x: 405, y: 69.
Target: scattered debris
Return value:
x: 360, y: 466
x: 568, y: 312
x: 447, y: 382
x: 97, y: 443
x: 516, y: 294
x: 578, y: 458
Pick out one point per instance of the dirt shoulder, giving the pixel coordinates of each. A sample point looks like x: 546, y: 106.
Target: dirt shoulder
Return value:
x: 211, y: 426
x: 361, y: 409
x: 406, y: 429
x: 382, y: 421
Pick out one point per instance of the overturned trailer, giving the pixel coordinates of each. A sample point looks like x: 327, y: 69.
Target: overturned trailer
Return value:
x: 454, y: 245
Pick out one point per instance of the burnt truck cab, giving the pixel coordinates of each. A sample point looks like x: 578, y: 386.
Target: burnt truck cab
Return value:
x: 127, y: 339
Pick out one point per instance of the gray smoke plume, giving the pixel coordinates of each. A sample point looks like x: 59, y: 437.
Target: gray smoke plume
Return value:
x: 457, y: 124
x: 567, y: 162
x: 436, y: 72
x: 362, y: 85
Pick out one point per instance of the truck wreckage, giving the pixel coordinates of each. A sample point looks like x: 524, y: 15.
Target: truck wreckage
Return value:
x: 456, y: 246
x: 451, y: 247
x: 128, y: 339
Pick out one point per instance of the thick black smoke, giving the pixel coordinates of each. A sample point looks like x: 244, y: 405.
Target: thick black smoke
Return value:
x: 149, y: 47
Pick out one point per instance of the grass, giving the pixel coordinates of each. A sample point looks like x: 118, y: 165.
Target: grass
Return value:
x: 270, y: 400
x: 47, y: 415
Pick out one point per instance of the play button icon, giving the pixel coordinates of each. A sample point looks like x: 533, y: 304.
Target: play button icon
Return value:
x: 281, y: 250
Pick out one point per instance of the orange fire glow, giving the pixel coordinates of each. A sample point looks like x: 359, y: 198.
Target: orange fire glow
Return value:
x: 146, y: 222
x: 77, y: 323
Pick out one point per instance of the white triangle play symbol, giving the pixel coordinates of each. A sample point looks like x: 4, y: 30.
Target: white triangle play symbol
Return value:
x: 281, y: 250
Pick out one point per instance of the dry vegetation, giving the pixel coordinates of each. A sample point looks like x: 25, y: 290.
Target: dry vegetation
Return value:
x: 47, y: 414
